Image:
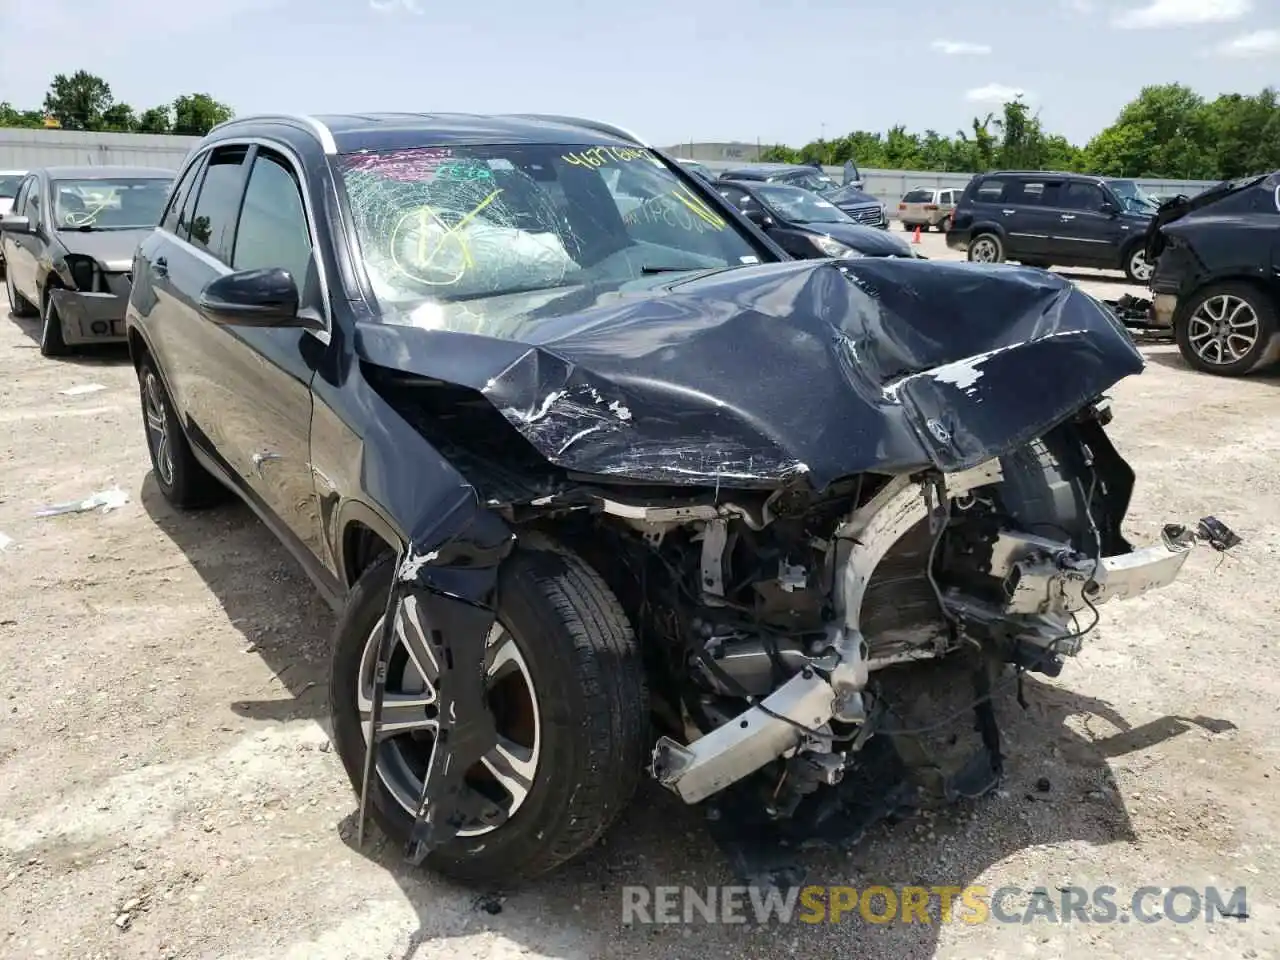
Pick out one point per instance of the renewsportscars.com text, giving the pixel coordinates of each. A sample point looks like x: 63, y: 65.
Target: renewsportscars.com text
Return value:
x: 929, y: 905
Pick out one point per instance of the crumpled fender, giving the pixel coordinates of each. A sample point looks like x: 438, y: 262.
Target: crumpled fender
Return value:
x: 450, y: 569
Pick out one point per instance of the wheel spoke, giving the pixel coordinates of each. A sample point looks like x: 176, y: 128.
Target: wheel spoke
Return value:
x: 512, y: 766
x: 413, y: 636
x: 401, y: 713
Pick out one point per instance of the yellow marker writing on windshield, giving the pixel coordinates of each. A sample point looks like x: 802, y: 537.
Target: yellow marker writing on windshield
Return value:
x: 698, y: 206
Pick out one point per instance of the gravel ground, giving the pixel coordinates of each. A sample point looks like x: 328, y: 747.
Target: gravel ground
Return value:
x: 167, y: 787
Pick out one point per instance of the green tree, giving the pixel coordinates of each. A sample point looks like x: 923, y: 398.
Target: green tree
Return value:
x: 155, y: 120
x: 79, y: 101
x: 196, y: 114
x: 118, y: 118
x: 11, y: 116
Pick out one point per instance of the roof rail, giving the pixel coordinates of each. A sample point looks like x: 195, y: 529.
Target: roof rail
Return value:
x: 589, y: 124
x: 308, y: 123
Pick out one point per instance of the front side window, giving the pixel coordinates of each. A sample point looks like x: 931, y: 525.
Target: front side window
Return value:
x: 472, y: 224
x: 114, y: 203
x: 273, y: 222
x: 9, y: 183
x: 213, y: 219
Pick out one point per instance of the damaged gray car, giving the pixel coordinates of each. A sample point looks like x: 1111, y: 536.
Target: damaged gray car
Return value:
x: 604, y: 485
x: 68, y: 246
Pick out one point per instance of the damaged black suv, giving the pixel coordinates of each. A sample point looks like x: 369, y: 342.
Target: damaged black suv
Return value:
x: 602, y: 482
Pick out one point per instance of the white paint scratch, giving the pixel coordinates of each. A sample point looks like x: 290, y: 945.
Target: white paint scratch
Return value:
x: 413, y: 564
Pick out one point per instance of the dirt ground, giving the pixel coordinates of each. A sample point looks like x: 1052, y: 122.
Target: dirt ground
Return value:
x: 167, y: 787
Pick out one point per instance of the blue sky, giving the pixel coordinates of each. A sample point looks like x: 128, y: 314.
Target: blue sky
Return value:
x: 667, y: 69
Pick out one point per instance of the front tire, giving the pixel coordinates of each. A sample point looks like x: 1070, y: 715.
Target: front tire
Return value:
x: 1228, y: 329
x: 577, y: 715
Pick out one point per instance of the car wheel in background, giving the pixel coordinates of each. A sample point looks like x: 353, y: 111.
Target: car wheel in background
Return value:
x: 944, y: 225
x: 182, y: 479
x: 19, y: 306
x: 1136, y: 266
x: 1228, y: 329
x: 986, y: 248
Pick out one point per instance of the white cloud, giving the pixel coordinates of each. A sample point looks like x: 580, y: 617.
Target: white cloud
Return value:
x: 954, y: 48
x: 386, y: 6
x: 1182, y: 13
x: 1259, y: 43
x: 996, y: 93
x: 1079, y: 6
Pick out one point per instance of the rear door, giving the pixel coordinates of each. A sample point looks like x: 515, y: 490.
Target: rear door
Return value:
x: 1029, y: 218
x: 911, y: 208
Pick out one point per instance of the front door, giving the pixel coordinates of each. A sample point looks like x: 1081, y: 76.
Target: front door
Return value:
x: 1084, y: 233
x: 23, y: 249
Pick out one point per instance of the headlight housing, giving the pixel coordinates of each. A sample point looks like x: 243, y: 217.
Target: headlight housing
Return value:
x: 833, y: 248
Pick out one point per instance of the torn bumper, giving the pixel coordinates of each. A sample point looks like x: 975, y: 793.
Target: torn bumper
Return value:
x: 1046, y: 582
x: 1045, y: 579
x: 1163, y: 307
x: 90, y: 317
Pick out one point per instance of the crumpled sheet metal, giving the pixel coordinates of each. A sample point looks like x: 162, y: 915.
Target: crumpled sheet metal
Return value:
x: 752, y: 376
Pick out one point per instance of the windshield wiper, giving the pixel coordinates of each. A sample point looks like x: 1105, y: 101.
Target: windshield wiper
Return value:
x: 647, y: 270
x: 82, y: 228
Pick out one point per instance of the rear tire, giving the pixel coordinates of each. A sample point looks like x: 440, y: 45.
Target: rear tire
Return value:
x: 1228, y: 329
x: 588, y: 687
x: 986, y: 248
x: 1135, y: 265
x: 182, y: 479
x: 19, y: 305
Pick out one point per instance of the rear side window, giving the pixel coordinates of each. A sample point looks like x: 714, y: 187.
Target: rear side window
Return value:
x: 179, y: 196
x: 273, y: 223
x: 989, y: 190
x: 1026, y: 192
x: 214, y: 217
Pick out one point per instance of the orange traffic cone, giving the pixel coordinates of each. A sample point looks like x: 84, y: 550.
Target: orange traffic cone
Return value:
x: 915, y: 237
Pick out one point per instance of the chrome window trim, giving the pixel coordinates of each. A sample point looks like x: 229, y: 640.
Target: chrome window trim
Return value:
x: 299, y: 171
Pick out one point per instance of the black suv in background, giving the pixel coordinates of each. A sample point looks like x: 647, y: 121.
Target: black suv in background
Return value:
x: 1044, y: 219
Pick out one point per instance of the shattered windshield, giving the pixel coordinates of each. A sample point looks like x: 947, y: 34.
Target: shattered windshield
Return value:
x: 817, y: 182
x: 1134, y: 198
x: 128, y: 203
x: 801, y: 206
x: 444, y: 225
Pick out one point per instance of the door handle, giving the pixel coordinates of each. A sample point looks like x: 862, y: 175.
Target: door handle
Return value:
x: 161, y: 266
x: 1068, y: 216
x: 1008, y: 212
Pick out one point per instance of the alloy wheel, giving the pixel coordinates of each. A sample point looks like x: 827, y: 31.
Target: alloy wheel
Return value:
x: 504, y: 776
x: 983, y: 250
x: 1139, y: 267
x: 1223, y: 330
x: 158, y: 428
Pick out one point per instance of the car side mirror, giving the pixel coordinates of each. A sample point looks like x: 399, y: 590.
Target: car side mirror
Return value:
x: 266, y: 297
x: 14, y: 224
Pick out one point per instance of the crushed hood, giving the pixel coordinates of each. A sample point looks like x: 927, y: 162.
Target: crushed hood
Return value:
x: 112, y: 249
x: 755, y: 375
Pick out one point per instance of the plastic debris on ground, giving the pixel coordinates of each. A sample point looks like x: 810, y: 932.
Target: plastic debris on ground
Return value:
x: 82, y: 389
x: 108, y: 500
x: 5, y: 542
